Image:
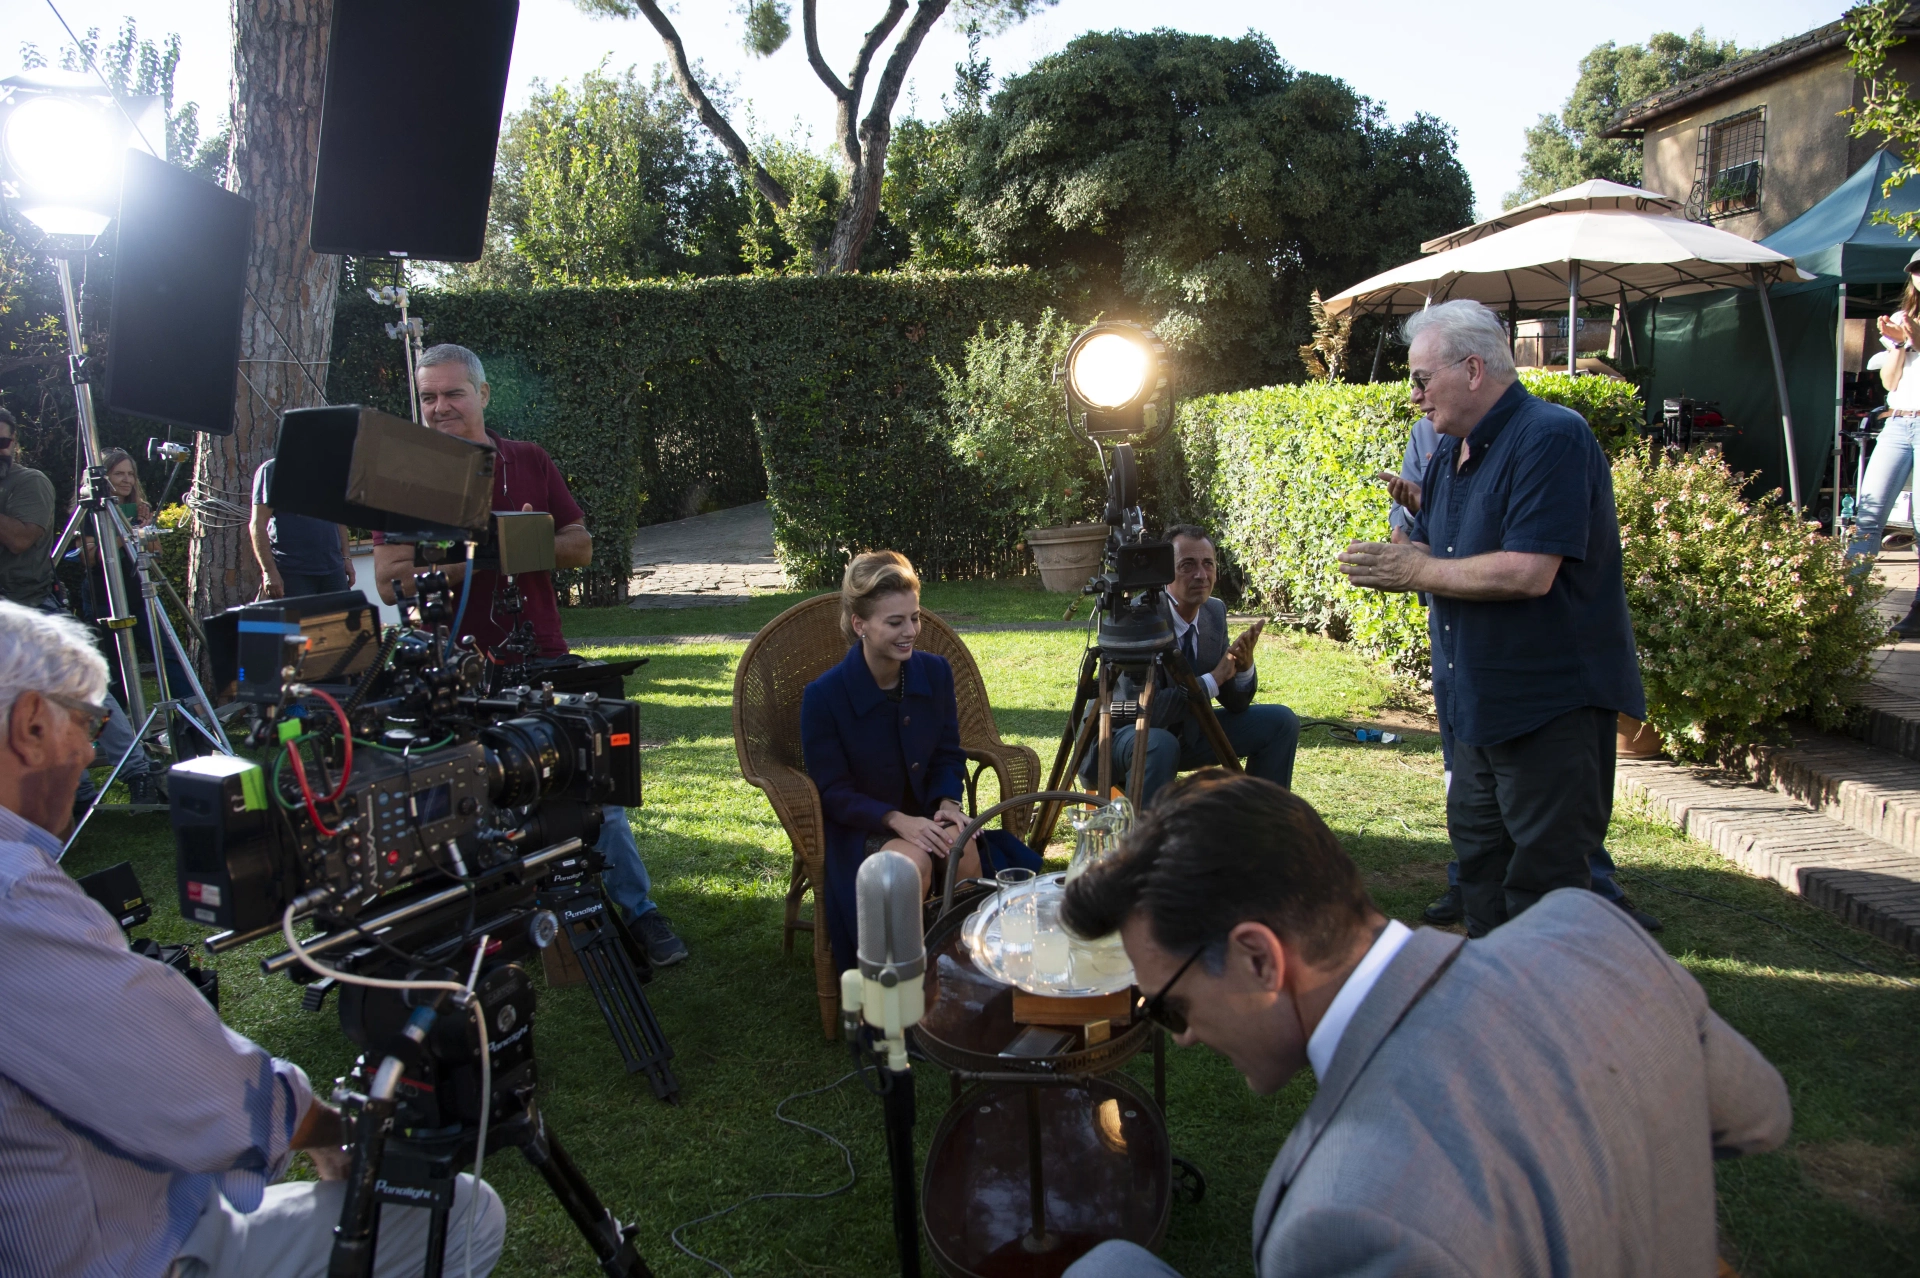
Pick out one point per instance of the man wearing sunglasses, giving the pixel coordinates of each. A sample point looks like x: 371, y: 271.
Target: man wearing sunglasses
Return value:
x: 171, y: 1176
x: 27, y: 511
x: 1475, y: 1099
x: 1517, y: 542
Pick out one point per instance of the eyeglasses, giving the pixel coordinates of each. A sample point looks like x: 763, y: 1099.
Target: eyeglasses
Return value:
x: 97, y: 715
x: 1420, y: 380
x: 1155, y: 1008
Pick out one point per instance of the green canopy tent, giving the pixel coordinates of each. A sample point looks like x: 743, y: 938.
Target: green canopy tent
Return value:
x: 1839, y: 238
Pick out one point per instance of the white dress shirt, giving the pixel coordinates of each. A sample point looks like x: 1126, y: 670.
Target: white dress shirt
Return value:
x: 1180, y: 627
x: 1325, y: 1040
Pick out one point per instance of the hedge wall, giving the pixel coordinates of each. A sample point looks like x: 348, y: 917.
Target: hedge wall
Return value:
x: 1285, y: 476
x: 658, y: 399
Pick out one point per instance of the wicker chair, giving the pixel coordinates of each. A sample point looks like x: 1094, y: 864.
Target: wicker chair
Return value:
x: 792, y: 651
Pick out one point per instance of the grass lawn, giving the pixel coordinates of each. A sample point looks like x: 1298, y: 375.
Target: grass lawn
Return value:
x: 1844, y: 1197
x: 961, y: 602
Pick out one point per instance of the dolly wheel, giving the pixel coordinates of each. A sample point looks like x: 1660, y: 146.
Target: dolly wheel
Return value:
x: 1189, y: 1183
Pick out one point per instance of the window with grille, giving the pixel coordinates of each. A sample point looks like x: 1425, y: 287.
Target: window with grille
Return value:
x: 1732, y: 160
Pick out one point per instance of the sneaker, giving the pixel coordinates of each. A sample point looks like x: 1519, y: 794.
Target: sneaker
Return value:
x: 146, y: 788
x: 1446, y: 909
x: 664, y: 949
x: 1640, y: 916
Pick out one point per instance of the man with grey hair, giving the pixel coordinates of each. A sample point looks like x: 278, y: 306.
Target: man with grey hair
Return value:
x: 172, y: 1176
x: 453, y: 397
x: 1518, y: 543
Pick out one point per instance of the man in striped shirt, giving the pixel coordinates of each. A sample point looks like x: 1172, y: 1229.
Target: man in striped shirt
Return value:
x: 138, y: 1134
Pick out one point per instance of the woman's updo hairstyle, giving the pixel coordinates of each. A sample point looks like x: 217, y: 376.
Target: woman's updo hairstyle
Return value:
x: 870, y: 578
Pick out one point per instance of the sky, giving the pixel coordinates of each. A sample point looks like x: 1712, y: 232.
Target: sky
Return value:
x: 1489, y: 68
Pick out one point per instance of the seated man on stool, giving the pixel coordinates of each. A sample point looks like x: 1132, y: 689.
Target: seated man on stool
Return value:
x: 1265, y: 736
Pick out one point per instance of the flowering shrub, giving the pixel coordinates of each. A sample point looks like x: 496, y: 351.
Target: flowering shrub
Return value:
x: 1744, y: 614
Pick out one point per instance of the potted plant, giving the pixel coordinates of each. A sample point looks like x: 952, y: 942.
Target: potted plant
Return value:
x: 1009, y: 429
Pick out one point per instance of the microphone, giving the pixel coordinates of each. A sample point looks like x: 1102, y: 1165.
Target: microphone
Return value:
x: 887, y: 987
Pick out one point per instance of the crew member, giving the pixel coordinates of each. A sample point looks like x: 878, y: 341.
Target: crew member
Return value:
x: 1266, y: 736
x: 26, y: 524
x: 298, y: 554
x: 453, y: 395
x: 1550, y: 1099
x: 1518, y: 543
x: 172, y: 1176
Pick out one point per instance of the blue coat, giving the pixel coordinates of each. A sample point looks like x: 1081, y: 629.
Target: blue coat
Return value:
x: 871, y: 756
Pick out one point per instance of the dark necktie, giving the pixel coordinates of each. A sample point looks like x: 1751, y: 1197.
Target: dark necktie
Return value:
x: 1188, y: 648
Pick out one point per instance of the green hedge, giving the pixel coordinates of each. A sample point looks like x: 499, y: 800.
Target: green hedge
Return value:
x: 659, y: 399
x: 1285, y: 475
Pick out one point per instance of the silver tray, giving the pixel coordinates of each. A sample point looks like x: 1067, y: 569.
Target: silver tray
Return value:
x: 1093, y: 968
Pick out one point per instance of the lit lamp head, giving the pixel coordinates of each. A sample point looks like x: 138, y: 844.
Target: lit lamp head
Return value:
x: 61, y: 144
x: 1117, y: 375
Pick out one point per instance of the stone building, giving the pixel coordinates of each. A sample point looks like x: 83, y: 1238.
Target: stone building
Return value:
x: 1756, y: 143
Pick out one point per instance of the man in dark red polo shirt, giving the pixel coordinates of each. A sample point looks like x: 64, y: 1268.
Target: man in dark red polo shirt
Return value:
x: 453, y: 396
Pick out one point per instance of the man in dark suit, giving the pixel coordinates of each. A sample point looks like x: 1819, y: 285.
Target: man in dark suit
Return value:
x: 1549, y: 1099
x: 1265, y: 736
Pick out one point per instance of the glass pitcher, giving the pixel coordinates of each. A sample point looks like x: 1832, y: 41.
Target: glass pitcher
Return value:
x: 1100, y: 832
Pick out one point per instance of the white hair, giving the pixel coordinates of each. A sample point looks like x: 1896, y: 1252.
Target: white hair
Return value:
x: 48, y: 654
x: 448, y: 353
x: 1465, y: 328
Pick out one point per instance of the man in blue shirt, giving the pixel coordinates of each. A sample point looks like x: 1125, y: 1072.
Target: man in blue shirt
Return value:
x: 1533, y: 656
x: 298, y: 554
x: 138, y: 1135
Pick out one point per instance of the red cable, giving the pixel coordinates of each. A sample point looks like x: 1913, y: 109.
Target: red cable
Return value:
x: 346, y: 740
x: 306, y: 793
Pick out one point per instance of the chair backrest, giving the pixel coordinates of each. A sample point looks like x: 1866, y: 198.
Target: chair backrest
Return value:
x: 799, y: 646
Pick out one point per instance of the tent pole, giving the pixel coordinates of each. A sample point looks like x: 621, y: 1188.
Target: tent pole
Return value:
x: 1780, y: 387
x: 1839, y: 399
x: 1573, y: 317
x: 1626, y: 326
x: 1373, y: 374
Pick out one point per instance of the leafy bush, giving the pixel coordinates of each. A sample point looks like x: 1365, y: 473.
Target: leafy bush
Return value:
x: 658, y: 398
x: 1744, y: 613
x: 1613, y: 409
x: 1007, y: 422
x: 1285, y: 477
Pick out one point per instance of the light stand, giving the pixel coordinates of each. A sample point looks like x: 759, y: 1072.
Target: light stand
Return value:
x: 111, y: 533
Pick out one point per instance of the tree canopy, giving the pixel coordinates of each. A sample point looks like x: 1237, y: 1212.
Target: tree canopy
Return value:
x: 1206, y: 187
x: 1566, y: 149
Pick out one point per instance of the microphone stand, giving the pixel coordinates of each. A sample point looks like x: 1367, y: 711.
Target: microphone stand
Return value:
x: 888, y: 1055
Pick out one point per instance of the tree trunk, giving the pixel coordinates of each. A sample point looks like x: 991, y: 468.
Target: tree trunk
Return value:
x: 866, y: 167
x: 279, y: 70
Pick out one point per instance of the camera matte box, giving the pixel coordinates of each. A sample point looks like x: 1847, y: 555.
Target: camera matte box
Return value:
x: 408, y: 127
x: 179, y: 281
x: 368, y: 469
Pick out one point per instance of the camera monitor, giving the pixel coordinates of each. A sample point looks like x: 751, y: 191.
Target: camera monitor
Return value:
x: 408, y: 127
x: 368, y: 469
x: 179, y: 280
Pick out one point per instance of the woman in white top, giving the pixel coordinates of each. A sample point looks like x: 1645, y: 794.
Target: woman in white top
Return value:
x: 1893, y: 453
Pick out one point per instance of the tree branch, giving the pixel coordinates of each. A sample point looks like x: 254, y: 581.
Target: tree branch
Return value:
x: 811, y: 28
x: 868, y: 159
x: 880, y: 116
x: 709, y: 115
x: 881, y: 30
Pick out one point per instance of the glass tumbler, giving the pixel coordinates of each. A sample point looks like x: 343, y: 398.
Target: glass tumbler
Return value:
x: 1016, y: 914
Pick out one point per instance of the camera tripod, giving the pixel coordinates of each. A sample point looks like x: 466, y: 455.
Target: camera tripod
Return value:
x: 409, y: 1145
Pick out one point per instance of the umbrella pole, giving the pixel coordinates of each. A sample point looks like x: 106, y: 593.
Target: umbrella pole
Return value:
x: 1839, y: 400
x: 1573, y: 317
x: 1379, y: 345
x: 1780, y: 388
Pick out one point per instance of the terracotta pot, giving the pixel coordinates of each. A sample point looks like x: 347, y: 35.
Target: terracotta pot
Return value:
x: 1635, y: 740
x: 1068, y: 555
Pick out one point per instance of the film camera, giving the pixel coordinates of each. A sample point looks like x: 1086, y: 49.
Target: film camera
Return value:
x: 432, y: 809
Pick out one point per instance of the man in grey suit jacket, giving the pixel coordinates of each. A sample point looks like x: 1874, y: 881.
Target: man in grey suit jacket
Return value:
x: 1547, y: 1100
x: 1265, y: 736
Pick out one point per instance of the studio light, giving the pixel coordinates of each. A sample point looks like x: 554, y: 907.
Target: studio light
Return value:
x: 61, y: 143
x: 1116, y: 374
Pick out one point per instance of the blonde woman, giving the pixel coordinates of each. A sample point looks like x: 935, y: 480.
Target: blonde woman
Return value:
x: 881, y: 734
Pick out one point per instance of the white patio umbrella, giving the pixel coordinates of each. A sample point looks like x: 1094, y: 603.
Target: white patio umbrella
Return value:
x: 1552, y: 257
x: 1596, y: 194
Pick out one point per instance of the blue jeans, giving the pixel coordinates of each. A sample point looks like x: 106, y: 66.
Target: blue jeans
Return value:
x: 1887, y: 472
x: 113, y: 742
x: 626, y: 875
x: 1266, y: 736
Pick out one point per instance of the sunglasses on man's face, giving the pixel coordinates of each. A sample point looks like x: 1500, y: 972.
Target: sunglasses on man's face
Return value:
x: 6, y: 442
x: 1155, y: 1009
x: 96, y: 716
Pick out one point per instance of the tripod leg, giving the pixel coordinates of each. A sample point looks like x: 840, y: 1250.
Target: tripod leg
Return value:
x: 1137, y: 774
x: 616, y: 988
x: 1104, y: 776
x: 1049, y: 815
x: 355, y: 1236
x: 1072, y: 749
x: 1202, y: 706
x: 906, y: 1214
x: 610, y: 1242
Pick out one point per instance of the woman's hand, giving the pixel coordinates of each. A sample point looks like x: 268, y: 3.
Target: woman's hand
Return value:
x: 933, y: 837
x: 1896, y: 330
x: 143, y: 511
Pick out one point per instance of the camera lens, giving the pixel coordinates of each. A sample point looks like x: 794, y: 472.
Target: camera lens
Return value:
x: 527, y: 760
